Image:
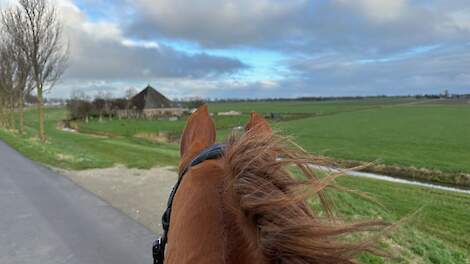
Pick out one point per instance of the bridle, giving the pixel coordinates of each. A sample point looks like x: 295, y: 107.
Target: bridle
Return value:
x: 213, y: 152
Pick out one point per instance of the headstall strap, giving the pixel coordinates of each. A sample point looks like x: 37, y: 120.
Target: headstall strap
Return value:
x: 158, y: 250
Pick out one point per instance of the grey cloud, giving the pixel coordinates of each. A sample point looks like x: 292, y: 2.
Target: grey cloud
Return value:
x: 214, y: 23
x: 433, y: 72
x: 308, y: 26
x: 100, y: 51
x: 112, y: 60
x: 108, y: 58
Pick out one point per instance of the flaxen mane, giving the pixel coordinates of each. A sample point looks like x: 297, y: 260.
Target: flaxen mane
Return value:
x: 270, y: 204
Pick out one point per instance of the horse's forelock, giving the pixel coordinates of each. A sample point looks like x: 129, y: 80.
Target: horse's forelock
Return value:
x: 267, y: 200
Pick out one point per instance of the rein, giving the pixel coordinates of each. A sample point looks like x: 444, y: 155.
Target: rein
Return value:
x: 213, y: 152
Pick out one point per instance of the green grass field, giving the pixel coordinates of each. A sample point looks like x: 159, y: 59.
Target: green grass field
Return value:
x: 312, y: 107
x: 131, y: 128
x: 422, y: 134
x: 435, y: 229
x: 425, y: 136
x: 81, y: 151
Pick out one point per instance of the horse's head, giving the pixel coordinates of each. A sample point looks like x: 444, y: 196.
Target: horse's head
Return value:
x: 245, y: 206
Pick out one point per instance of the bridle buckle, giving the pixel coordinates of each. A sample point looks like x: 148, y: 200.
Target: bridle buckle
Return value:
x: 157, y: 251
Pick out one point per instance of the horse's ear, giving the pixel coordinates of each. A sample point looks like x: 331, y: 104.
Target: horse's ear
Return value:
x: 199, y: 132
x: 258, y: 124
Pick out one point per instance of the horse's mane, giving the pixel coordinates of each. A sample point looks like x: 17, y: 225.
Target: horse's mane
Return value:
x: 263, y: 192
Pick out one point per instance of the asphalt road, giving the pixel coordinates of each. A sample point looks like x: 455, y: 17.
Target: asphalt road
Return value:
x: 45, y: 218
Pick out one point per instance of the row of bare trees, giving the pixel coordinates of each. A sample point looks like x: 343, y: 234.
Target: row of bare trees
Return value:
x: 33, y: 57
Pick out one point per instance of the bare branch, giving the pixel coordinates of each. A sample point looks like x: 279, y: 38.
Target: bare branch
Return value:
x: 35, y: 30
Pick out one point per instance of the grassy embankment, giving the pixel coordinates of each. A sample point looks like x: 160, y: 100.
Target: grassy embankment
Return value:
x: 435, y: 223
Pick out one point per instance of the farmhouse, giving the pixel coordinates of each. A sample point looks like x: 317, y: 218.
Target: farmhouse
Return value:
x: 150, y: 104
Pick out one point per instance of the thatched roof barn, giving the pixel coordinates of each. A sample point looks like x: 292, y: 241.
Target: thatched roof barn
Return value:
x: 149, y: 98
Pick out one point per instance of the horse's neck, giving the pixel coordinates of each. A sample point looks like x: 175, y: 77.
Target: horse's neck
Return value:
x: 196, y: 226
x: 201, y: 230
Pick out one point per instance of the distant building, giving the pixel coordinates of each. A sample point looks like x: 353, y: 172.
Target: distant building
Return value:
x: 149, y: 98
x: 151, y: 104
x: 229, y: 113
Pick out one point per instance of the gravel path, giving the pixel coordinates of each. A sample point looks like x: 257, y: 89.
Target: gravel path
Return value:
x: 141, y: 194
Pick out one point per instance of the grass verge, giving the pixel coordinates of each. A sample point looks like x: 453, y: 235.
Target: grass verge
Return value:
x: 81, y: 151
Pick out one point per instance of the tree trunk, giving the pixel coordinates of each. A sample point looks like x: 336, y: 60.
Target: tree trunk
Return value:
x: 12, y: 113
x: 21, y: 112
x: 2, y: 114
x: 42, y: 133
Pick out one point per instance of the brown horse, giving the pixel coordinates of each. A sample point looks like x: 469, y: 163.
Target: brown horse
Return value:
x: 246, y: 207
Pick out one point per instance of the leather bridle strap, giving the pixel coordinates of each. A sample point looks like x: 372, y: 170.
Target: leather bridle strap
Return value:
x: 213, y: 152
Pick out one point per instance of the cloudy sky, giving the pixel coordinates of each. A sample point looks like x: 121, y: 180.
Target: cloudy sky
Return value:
x: 267, y: 48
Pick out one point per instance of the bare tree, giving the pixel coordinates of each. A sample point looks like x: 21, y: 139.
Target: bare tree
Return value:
x: 36, y: 29
x: 107, y: 98
x: 14, y: 74
x: 4, y: 88
x: 79, y: 106
x: 7, y: 85
x: 131, y: 92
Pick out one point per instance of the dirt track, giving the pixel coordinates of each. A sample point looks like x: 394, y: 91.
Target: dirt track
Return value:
x: 141, y: 194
